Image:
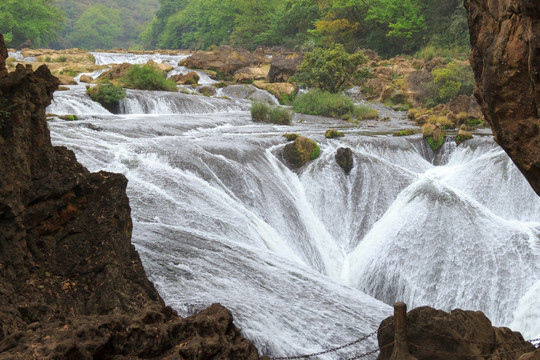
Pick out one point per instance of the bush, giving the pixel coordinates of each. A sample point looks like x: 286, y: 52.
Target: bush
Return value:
x: 365, y: 112
x: 106, y: 93
x: 330, y: 69
x: 272, y: 114
x: 147, y: 77
x: 449, y: 82
x: 323, y: 103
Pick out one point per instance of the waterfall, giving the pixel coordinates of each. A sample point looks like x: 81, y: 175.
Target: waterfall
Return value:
x: 312, y: 258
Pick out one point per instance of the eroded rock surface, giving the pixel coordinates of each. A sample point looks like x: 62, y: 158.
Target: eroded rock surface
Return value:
x: 72, y: 285
x: 505, y: 39
x: 437, y: 335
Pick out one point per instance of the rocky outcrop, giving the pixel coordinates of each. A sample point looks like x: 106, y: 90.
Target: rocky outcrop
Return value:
x: 505, y: 39
x: 301, y: 151
x: 250, y: 74
x: 225, y: 60
x: 190, y: 78
x: 72, y: 285
x: 283, y: 67
x: 116, y: 72
x: 437, y: 335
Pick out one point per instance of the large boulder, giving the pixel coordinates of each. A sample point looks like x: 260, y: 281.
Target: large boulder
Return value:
x: 250, y: 74
x: 72, y: 286
x: 437, y: 335
x: 191, y: 78
x: 283, y: 67
x: 225, y: 60
x: 301, y: 151
x: 117, y: 71
x: 345, y: 160
x: 505, y: 57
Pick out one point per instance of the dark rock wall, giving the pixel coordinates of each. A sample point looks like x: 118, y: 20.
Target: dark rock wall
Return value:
x: 505, y: 39
x: 72, y: 285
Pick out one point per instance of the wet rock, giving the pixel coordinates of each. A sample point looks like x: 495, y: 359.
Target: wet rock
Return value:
x: 86, y: 79
x: 279, y: 90
x: 345, y: 160
x: 190, y: 78
x: 164, y: 68
x: 283, y: 67
x: 332, y: 133
x: 505, y: 58
x: 300, y: 152
x: 436, y: 335
x: 462, y: 136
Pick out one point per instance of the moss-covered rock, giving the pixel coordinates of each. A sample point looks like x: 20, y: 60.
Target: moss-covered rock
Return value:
x: 301, y: 151
x: 291, y: 136
x: 345, y: 159
x: 405, y: 132
x: 333, y: 133
x: 462, y: 136
x: 434, y: 135
x: 191, y: 78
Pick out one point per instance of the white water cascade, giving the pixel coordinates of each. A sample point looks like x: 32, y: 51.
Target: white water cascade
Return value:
x: 312, y: 259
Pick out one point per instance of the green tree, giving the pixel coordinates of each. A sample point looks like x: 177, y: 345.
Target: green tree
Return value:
x: 98, y: 27
x: 37, y: 20
x: 330, y: 69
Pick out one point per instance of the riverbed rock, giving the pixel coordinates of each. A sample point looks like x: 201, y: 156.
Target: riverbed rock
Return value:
x: 505, y: 57
x: 279, y: 90
x: 283, y: 67
x: 72, y: 285
x: 86, y: 79
x: 224, y: 59
x: 437, y: 335
x: 345, y: 160
x: 300, y: 152
x: 164, y: 68
x: 117, y: 71
x: 190, y: 78
x: 250, y: 74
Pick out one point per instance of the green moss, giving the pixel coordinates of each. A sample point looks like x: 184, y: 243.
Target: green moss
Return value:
x: 332, y: 133
x: 315, y: 153
x: 69, y: 117
x: 147, y: 77
x: 462, y: 136
x: 291, y: 136
x: 434, y: 143
x: 406, y: 132
x: 272, y: 114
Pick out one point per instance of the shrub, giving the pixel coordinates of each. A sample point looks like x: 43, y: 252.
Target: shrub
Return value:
x: 106, y: 93
x: 449, y: 82
x: 272, y: 114
x: 330, y: 69
x: 365, y: 112
x: 147, y: 77
x: 323, y: 103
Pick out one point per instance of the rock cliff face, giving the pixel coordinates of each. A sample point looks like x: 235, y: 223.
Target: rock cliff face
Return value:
x: 72, y: 285
x: 505, y: 39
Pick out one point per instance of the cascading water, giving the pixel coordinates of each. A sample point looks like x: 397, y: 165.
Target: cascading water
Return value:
x: 219, y: 218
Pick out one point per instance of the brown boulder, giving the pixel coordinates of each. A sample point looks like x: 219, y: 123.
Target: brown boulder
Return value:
x: 437, y: 335
x: 164, y: 68
x: 531, y: 356
x: 249, y: 74
x: 86, y: 79
x: 505, y: 57
x: 117, y: 71
x: 283, y: 67
x: 225, y: 60
x: 465, y: 104
x: 190, y: 78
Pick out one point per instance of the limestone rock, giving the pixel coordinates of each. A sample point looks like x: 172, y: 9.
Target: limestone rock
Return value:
x: 299, y: 152
x: 283, y: 67
x: 117, y: 71
x: 190, y: 78
x: 276, y: 89
x: 531, y: 356
x: 436, y: 335
x: 505, y: 57
x: 86, y: 79
x: 164, y: 68
x: 225, y: 60
x: 345, y: 160
x: 249, y: 74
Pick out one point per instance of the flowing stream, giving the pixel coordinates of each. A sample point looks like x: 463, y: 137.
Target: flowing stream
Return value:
x: 311, y: 259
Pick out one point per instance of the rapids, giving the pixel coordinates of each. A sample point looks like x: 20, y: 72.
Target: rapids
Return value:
x: 311, y: 259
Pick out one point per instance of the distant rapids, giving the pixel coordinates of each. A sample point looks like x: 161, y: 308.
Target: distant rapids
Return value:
x: 311, y: 259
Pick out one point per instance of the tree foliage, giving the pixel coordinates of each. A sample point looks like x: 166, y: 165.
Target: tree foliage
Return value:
x: 98, y: 27
x: 330, y: 69
x: 37, y: 20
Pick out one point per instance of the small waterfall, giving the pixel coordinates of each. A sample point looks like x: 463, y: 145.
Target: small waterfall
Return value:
x: 75, y: 101
x: 106, y: 58
x: 204, y: 78
x: 163, y: 102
